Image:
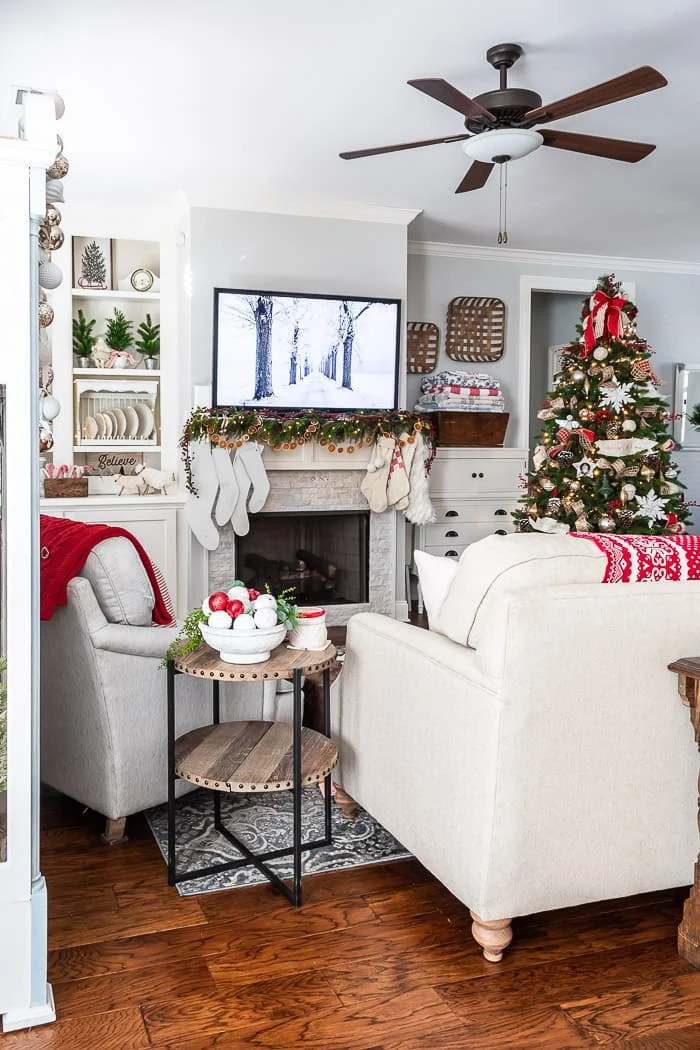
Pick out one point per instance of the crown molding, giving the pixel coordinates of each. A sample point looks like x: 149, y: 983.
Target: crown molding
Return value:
x: 553, y: 259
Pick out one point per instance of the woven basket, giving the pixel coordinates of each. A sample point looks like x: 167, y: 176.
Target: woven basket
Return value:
x: 470, y: 429
x: 423, y: 341
x: 476, y: 329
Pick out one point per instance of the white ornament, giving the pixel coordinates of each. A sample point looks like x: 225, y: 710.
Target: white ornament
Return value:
x: 651, y: 506
x: 616, y: 395
x: 584, y: 467
x: 50, y: 275
x: 539, y: 456
x: 265, y: 601
x: 600, y: 353
x: 220, y: 619
x: 240, y: 594
x: 569, y: 423
x: 629, y: 490
x: 49, y: 406
x: 629, y: 426
x: 265, y: 618
x: 244, y: 622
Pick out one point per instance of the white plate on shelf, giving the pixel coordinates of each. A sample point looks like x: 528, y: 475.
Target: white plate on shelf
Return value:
x: 112, y: 417
x: 89, y: 428
x: 100, y: 424
x: 132, y: 422
x: 146, y: 420
x: 121, y: 422
x: 109, y: 428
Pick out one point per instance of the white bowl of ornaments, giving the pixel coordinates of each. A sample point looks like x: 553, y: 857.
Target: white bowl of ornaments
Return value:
x: 242, y: 625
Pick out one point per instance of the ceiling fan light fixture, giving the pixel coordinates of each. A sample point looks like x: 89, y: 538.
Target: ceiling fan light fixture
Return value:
x: 502, y: 144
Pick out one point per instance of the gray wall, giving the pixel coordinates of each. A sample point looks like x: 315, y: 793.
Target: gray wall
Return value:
x: 669, y: 318
x: 553, y: 323
x: 287, y: 253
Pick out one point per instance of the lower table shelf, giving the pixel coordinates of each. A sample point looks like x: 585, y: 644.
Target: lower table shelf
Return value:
x: 252, y: 756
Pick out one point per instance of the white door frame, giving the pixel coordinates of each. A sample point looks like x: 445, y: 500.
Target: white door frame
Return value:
x: 584, y: 284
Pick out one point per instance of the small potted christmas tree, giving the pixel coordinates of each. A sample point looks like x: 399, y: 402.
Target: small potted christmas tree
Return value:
x: 119, y: 337
x: 148, y: 342
x: 83, y: 339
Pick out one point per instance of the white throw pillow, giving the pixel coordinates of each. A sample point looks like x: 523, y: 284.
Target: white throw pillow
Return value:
x: 509, y: 563
x: 435, y: 576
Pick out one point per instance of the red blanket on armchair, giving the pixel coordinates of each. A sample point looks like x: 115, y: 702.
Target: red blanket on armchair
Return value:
x: 65, y: 545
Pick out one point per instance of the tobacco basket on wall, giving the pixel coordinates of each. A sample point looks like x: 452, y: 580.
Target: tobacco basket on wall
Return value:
x: 423, y: 347
x: 476, y: 329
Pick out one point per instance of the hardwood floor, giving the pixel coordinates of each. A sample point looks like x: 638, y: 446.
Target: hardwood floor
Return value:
x: 379, y: 958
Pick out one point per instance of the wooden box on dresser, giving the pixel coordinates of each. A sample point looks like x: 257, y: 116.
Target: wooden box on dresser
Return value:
x: 473, y: 491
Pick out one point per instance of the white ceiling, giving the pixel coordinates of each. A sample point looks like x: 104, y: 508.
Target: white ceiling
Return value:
x: 248, y: 102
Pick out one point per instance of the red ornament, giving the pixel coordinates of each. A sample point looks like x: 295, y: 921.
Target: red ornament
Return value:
x: 218, y: 601
x: 234, y: 608
x: 253, y: 594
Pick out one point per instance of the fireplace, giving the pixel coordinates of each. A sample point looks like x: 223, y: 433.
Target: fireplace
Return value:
x: 323, y: 555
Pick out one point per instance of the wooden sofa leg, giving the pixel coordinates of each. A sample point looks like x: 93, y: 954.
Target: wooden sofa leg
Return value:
x: 113, y: 833
x: 347, y: 804
x: 493, y: 936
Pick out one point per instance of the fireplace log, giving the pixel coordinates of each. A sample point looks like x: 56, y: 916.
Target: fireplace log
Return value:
x: 327, y: 569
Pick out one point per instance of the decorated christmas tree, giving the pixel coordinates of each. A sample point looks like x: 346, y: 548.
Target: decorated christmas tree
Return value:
x: 603, y: 463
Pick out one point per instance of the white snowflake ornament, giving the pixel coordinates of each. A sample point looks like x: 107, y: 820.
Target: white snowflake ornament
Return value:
x: 616, y: 395
x: 651, y: 507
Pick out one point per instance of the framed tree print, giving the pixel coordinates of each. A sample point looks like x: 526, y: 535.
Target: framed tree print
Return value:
x: 92, y: 263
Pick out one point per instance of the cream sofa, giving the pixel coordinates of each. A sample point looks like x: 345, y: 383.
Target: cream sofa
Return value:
x: 103, y: 692
x: 531, y: 749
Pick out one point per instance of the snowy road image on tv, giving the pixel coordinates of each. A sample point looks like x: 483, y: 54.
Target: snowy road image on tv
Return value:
x: 293, y: 351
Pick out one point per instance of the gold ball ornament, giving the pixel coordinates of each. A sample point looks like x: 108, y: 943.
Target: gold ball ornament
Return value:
x: 59, y: 168
x: 50, y: 238
x: 45, y: 315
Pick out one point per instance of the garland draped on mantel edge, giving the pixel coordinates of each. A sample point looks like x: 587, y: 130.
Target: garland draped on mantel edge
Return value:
x: 339, y: 432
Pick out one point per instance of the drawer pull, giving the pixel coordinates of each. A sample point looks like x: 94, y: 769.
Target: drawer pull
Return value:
x: 501, y: 532
x: 500, y: 511
x: 480, y: 474
x: 453, y: 513
x: 451, y: 534
x: 473, y: 474
x: 451, y: 554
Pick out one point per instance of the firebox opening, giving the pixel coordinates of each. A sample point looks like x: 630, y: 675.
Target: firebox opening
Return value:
x: 324, y: 556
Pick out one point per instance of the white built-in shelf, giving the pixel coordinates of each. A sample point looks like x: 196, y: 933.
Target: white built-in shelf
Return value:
x: 112, y: 445
x: 96, y: 293
x: 121, y: 373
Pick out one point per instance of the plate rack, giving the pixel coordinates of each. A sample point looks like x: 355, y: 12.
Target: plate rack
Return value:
x: 135, y: 400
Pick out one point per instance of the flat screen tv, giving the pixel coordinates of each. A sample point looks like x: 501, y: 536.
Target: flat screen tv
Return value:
x: 281, y: 350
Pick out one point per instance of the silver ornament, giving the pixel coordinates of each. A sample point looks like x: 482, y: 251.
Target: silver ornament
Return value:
x: 59, y: 168
x: 578, y: 376
x: 45, y: 315
x: 54, y: 190
x: 606, y: 523
x: 50, y: 238
x: 53, y: 216
x: 50, y: 275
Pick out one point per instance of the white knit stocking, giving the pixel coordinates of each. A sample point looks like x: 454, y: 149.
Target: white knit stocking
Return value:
x: 376, y: 479
x: 250, y: 456
x: 228, y: 486
x: 419, y: 509
x: 198, y: 508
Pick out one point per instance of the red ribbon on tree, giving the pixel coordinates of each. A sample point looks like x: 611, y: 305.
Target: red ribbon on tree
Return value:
x: 586, y: 437
x: 605, y: 314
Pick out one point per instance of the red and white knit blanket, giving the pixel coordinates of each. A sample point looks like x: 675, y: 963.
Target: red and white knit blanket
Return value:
x: 636, y: 559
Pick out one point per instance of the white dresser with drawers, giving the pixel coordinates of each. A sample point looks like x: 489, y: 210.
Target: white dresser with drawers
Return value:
x: 474, y: 491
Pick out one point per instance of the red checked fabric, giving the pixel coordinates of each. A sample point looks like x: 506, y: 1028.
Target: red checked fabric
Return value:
x: 636, y: 559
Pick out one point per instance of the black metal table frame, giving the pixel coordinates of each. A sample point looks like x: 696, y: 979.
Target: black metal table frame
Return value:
x: 293, y: 893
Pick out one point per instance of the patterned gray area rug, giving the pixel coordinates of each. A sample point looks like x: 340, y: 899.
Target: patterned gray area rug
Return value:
x: 264, y: 822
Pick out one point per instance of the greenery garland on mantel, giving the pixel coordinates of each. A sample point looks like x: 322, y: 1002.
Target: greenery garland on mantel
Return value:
x: 339, y: 432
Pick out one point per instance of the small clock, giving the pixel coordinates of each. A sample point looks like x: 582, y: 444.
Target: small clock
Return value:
x: 141, y: 279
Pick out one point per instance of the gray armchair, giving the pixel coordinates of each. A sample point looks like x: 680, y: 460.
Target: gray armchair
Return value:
x: 103, y: 694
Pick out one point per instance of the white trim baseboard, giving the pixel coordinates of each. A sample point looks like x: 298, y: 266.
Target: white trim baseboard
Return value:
x: 597, y: 263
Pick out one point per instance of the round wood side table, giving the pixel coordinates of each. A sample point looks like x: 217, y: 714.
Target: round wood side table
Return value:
x: 252, y: 756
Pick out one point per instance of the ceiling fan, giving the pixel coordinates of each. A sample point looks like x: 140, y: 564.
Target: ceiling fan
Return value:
x: 501, y: 122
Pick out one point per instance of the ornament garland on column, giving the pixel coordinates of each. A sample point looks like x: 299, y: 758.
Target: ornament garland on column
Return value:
x: 603, y: 463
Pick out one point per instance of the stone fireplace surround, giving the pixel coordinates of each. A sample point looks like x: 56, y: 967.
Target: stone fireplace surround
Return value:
x: 311, y: 488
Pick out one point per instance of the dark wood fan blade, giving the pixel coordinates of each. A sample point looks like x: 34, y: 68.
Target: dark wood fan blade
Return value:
x: 450, y: 96
x: 476, y: 177
x: 354, y: 154
x: 637, y: 82
x: 614, y: 149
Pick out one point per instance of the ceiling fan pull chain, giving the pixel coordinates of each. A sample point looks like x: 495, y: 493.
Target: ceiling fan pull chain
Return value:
x: 505, y: 202
x: 500, y: 204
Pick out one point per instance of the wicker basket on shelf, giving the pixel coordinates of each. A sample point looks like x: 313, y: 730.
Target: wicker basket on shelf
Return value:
x: 476, y: 328
x: 423, y: 346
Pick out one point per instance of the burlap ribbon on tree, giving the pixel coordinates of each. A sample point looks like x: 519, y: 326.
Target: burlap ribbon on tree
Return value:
x: 564, y: 436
